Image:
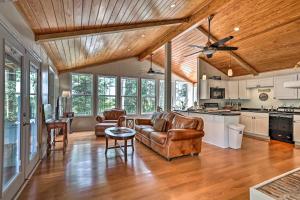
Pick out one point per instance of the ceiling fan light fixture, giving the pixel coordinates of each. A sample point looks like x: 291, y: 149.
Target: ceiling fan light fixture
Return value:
x: 230, y: 72
x: 173, y: 5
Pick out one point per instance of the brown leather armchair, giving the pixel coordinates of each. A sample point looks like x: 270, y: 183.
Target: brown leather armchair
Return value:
x: 182, y: 135
x: 110, y: 118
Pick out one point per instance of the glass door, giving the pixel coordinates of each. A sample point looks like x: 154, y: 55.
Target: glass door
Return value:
x: 32, y: 119
x: 12, y: 155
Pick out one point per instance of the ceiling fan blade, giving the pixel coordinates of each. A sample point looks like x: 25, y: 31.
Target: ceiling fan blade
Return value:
x: 226, y: 48
x: 193, y: 53
x: 221, y: 42
x: 196, y: 46
x: 209, y: 55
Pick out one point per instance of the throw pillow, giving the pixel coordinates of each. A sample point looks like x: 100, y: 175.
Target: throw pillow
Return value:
x: 154, y: 117
x: 159, y: 125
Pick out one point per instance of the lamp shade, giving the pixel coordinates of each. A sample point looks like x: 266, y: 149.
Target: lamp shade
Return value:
x: 230, y: 72
x: 66, y: 93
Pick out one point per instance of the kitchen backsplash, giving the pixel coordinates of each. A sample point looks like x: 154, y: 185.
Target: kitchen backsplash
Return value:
x: 255, y: 102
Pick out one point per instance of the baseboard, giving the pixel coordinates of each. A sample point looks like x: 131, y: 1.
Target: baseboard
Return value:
x: 258, y: 137
x: 27, y: 180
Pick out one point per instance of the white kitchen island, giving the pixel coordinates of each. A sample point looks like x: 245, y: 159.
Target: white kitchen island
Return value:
x: 216, y: 126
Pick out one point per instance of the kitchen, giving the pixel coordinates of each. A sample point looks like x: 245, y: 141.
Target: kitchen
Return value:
x: 268, y: 105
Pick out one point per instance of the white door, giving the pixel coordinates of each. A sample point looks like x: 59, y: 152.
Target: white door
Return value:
x: 296, y: 128
x: 12, y: 116
x: 31, y: 122
x: 247, y: 122
x: 261, y: 126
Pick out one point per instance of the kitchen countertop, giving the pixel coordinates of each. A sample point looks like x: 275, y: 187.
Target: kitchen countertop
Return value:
x: 221, y: 113
x: 268, y: 111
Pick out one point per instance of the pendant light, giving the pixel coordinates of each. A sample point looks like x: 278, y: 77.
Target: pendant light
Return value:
x: 230, y: 72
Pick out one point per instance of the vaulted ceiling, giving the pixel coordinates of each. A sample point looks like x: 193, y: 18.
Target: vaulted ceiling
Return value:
x: 268, y: 39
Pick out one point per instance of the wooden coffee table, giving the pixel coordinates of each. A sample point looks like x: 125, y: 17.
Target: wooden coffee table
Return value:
x: 120, y: 133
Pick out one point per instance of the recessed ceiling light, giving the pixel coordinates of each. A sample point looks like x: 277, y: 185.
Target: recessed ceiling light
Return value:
x: 143, y: 35
x: 173, y: 5
x: 128, y: 49
x: 236, y: 28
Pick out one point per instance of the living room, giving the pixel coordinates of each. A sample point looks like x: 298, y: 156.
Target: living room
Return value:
x: 151, y: 99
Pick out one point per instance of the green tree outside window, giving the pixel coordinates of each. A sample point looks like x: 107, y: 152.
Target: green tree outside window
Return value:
x: 82, y: 94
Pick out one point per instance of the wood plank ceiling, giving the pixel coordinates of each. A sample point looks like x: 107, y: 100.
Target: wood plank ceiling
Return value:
x: 47, y: 16
x: 268, y: 39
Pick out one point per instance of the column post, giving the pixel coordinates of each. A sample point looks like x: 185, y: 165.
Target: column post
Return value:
x: 168, y: 76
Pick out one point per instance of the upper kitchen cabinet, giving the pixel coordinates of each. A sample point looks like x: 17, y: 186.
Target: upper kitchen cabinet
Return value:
x: 243, y: 92
x: 258, y: 83
x: 217, y: 83
x: 281, y: 92
x: 233, y: 90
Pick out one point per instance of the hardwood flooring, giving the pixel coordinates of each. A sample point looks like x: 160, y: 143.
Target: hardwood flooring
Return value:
x: 85, y: 173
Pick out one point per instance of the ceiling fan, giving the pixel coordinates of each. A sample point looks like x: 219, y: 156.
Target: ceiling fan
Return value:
x: 209, y: 49
x: 151, y: 71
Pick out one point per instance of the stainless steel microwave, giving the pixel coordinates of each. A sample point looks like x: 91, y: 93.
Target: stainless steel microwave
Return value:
x: 217, y: 93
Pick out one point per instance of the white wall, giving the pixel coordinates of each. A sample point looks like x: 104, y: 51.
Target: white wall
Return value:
x: 131, y: 67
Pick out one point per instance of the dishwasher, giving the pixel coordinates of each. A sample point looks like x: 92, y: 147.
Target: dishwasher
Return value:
x: 281, y: 127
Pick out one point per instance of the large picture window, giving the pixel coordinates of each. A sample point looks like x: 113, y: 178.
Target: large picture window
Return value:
x: 129, y: 93
x: 148, y: 95
x: 181, y: 95
x: 106, y: 93
x: 161, y: 100
x: 82, y: 91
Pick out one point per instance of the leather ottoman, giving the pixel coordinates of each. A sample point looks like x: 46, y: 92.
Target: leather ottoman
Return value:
x: 100, y: 128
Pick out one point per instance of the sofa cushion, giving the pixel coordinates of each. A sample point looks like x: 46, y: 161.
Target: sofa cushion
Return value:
x: 139, y: 128
x: 182, y: 122
x: 147, y: 131
x: 159, y: 137
x: 159, y: 125
x: 168, y: 116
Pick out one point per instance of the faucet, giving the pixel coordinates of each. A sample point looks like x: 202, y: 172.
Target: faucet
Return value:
x: 262, y: 107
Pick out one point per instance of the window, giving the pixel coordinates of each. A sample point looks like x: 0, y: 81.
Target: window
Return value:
x: 148, y: 95
x: 82, y: 94
x: 106, y: 93
x: 129, y: 92
x: 161, y: 100
x: 181, y: 95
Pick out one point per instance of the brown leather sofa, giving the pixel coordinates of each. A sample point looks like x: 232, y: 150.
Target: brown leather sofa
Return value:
x: 182, y: 135
x: 110, y: 118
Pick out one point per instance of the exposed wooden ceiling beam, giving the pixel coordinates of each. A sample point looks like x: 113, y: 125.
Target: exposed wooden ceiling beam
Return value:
x: 208, y: 7
x: 107, y: 29
x: 236, y: 57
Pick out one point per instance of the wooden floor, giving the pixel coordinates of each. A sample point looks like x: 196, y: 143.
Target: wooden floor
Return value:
x: 85, y: 173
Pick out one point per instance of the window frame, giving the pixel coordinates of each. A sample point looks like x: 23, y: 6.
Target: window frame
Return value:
x: 98, y: 95
x: 176, y: 93
x: 138, y: 83
x: 141, y: 96
x: 91, y: 95
x: 159, y: 92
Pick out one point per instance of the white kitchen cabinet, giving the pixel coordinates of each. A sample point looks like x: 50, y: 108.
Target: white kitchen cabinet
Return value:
x: 296, y: 130
x: 266, y: 82
x: 243, y: 91
x: 280, y: 92
x: 256, y: 123
x: 247, y: 122
x: 216, y: 83
x: 233, y: 90
x: 259, y: 83
x: 252, y: 83
x: 261, y: 125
